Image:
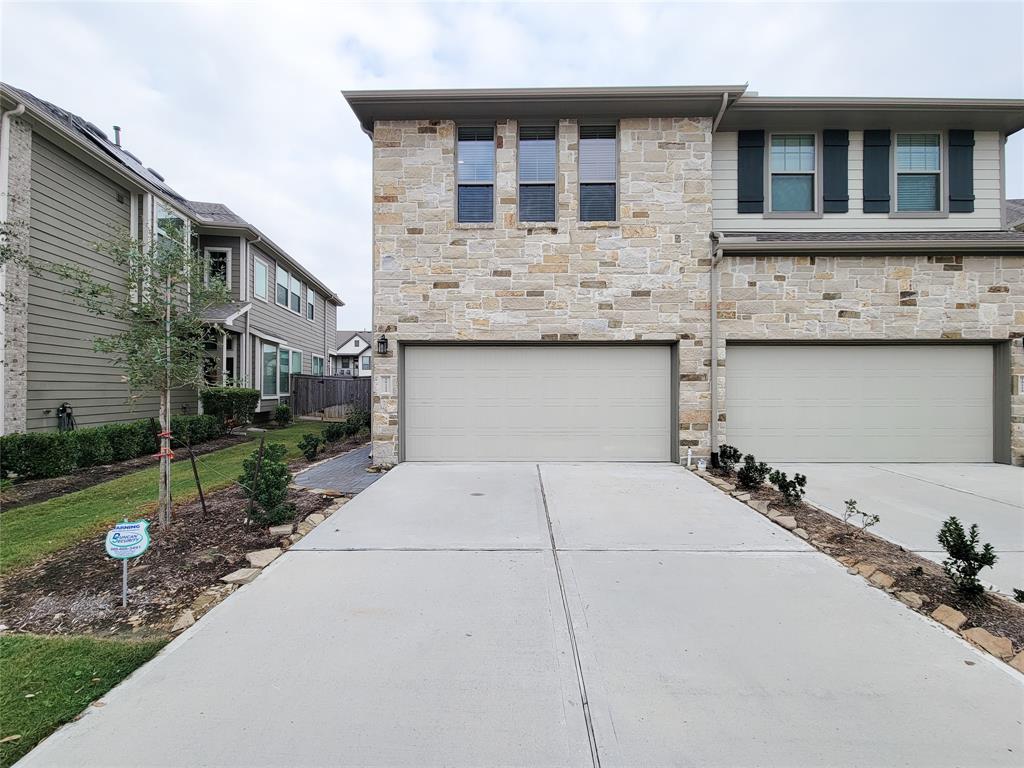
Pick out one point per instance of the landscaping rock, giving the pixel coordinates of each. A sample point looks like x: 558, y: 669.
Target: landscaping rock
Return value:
x: 786, y: 521
x: 912, y: 599
x: 241, y: 576
x: 315, y: 519
x: 741, y: 496
x: 801, y: 533
x: 774, y: 514
x: 883, y: 580
x: 759, y: 506
x: 185, y: 620
x: 263, y: 557
x: 865, y: 569
x: 277, y: 531
x: 1018, y: 662
x: 997, y: 646
x: 847, y: 560
x: 294, y: 538
x: 303, y: 528
x: 853, y: 571
x: 951, y: 617
x: 210, y: 597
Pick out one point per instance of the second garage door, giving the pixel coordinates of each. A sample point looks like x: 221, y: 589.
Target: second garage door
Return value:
x: 913, y: 403
x: 537, y: 403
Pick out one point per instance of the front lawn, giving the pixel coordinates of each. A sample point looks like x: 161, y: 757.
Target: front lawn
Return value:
x: 47, y: 681
x: 35, y: 530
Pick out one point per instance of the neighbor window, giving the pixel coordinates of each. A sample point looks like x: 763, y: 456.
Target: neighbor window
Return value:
x: 284, y: 368
x: 310, y: 304
x: 259, y: 278
x: 318, y: 365
x: 296, y: 295
x: 170, y: 226
x: 598, y: 171
x: 366, y: 363
x: 792, y: 167
x: 918, y: 169
x: 269, y: 388
x: 475, y: 153
x: 217, y: 265
x: 282, y: 287
x: 537, y: 169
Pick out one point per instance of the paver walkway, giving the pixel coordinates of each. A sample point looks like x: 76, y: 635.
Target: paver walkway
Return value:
x: 346, y: 473
x: 554, y: 615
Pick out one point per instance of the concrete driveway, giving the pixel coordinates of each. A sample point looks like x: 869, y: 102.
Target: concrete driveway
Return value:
x: 554, y: 615
x: 913, y: 500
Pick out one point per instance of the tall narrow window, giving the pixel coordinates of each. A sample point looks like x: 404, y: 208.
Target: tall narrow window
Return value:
x: 537, y: 169
x: 598, y: 171
x: 259, y: 279
x: 217, y: 265
x: 282, y: 287
x: 296, y: 295
x: 793, y: 167
x: 475, y: 174
x: 310, y: 304
x: 317, y: 366
x: 283, y: 370
x: 918, y: 169
x: 269, y: 387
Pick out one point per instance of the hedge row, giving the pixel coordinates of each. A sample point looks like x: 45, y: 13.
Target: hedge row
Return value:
x: 51, y: 454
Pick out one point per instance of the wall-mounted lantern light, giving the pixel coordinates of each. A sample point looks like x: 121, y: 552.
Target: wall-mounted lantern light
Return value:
x: 382, y: 345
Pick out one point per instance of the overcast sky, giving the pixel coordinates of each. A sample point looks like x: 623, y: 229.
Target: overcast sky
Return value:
x: 239, y: 102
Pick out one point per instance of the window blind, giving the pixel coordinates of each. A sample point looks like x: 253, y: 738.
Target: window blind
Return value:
x: 475, y: 173
x: 537, y: 173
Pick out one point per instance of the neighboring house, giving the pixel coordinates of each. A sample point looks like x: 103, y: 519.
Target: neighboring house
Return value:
x: 71, y: 187
x: 353, y: 355
x: 1015, y: 215
x: 635, y: 273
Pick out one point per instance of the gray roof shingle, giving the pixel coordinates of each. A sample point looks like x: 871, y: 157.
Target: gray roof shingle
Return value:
x: 1014, y: 214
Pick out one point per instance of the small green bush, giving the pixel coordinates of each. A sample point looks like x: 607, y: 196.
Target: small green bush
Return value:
x: 310, y: 446
x: 233, y: 406
x: 127, y: 439
x: 92, y: 445
x: 1018, y: 595
x: 193, y: 430
x: 270, y: 488
x: 965, y: 560
x: 334, y: 431
x: 38, y: 454
x: 792, y: 490
x: 753, y: 473
x: 728, y: 457
x: 283, y: 414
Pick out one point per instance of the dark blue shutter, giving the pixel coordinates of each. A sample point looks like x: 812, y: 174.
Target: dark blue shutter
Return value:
x: 961, y: 171
x: 835, y: 168
x: 750, y: 172
x: 876, y: 171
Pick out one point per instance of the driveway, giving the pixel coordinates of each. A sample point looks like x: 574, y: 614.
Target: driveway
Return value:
x: 913, y: 500
x: 554, y: 615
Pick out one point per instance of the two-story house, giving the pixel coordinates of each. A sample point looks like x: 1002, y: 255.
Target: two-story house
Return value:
x: 633, y: 273
x: 65, y: 186
x: 353, y: 355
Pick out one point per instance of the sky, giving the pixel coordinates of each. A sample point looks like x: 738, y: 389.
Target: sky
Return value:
x: 241, y: 103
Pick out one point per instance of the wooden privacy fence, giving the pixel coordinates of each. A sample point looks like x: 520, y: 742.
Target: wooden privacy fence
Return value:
x: 315, y: 394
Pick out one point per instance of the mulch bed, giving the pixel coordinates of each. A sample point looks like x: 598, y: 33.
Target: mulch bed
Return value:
x: 34, y: 491
x: 913, y: 573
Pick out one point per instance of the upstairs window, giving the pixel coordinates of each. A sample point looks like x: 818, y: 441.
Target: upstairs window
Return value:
x: 475, y: 174
x: 537, y: 169
x: 793, y: 167
x: 260, y: 272
x: 296, y: 294
x: 918, y: 170
x: 310, y: 304
x: 218, y: 266
x: 598, y: 172
x: 282, y: 287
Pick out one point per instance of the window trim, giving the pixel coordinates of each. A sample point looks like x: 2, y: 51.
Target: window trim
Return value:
x: 520, y: 124
x: 206, y: 263
x: 817, y: 196
x: 942, y: 212
x: 266, y: 268
x: 313, y: 359
x: 617, y: 173
x: 493, y: 184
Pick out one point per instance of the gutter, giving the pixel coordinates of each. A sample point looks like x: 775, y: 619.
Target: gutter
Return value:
x: 5, y: 156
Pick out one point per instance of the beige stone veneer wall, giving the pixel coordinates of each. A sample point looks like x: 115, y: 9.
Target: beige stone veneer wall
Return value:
x: 940, y: 297
x: 642, y: 278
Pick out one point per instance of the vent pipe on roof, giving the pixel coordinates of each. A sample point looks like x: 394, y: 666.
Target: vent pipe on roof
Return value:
x: 117, y: 135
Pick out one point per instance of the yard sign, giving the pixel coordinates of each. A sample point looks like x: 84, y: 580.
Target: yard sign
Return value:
x: 125, y: 541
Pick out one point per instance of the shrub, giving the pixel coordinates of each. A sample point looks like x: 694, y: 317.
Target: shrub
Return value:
x: 193, y: 430
x: 310, y: 446
x: 283, y: 414
x: 233, y: 406
x: 728, y: 457
x: 965, y: 561
x: 149, y: 429
x: 92, y: 445
x: 852, y: 513
x: 270, y: 488
x: 1018, y: 595
x: 128, y: 440
x: 38, y: 454
x: 792, y: 490
x: 752, y: 474
x: 334, y: 431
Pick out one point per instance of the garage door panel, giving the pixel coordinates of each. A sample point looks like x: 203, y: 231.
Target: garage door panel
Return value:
x: 527, y: 403
x: 861, y: 403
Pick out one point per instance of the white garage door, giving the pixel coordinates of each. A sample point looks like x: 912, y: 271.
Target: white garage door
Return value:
x: 533, y: 403
x: 860, y: 403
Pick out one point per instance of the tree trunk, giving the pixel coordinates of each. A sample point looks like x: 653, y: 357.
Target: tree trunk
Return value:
x: 164, y: 507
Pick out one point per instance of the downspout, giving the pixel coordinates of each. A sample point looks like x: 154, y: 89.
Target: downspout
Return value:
x: 716, y: 256
x: 5, y: 156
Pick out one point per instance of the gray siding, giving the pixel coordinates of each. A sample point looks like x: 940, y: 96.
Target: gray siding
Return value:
x: 74, y: 207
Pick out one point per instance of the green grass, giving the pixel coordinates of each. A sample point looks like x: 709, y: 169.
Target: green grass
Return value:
x: 47, y: 681
x: 31, y: 532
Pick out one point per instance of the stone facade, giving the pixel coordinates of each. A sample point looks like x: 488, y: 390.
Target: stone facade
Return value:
x: 925, y: 297
x: 642, y: 278
x: 15, y: 276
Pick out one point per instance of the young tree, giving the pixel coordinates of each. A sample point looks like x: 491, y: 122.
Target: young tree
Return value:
x: 159, y: 304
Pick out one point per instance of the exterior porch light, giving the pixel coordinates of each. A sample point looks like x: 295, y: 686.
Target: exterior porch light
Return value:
x: 382, y: 345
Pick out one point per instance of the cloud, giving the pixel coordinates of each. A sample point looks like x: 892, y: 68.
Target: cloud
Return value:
x: 240, y: 102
